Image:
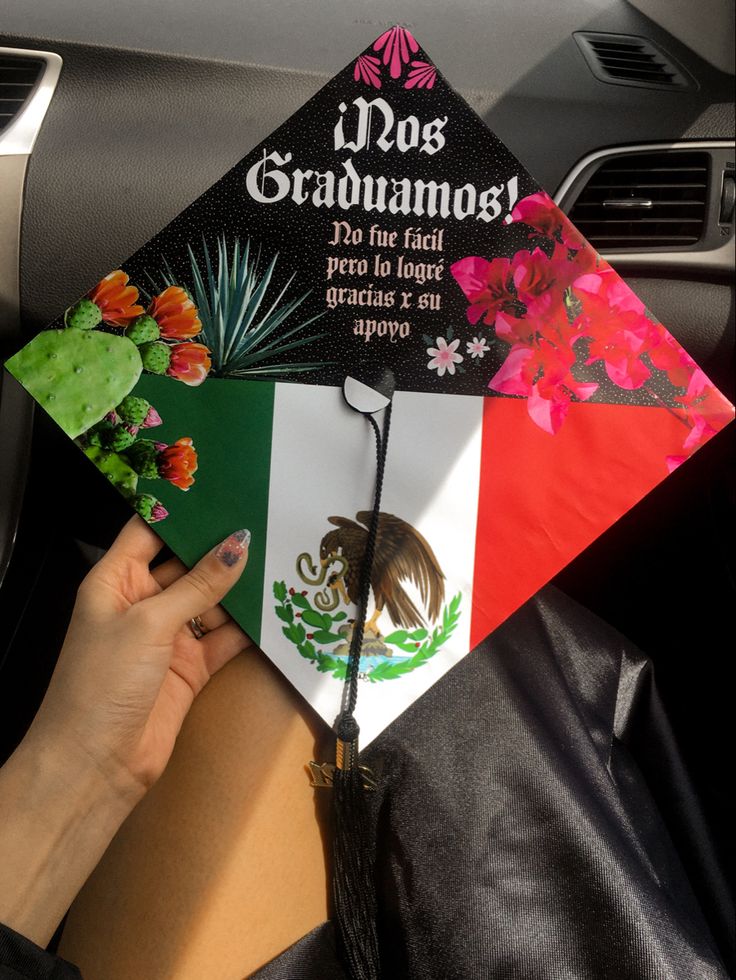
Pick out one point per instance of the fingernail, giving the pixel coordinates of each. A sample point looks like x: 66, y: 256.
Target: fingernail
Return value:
x: 233, y: 548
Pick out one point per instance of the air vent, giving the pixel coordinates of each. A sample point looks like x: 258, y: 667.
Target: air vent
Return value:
x: 18, y: 78
x: 645, y: 200
x: 622, y: 59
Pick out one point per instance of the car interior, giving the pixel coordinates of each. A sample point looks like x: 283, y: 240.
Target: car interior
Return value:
x: 113, y: 118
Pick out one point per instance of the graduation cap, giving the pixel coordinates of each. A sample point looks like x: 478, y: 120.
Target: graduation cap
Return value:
x: 380, y: 258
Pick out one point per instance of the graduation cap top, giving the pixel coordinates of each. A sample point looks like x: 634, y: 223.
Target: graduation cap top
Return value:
x: 385, y: 235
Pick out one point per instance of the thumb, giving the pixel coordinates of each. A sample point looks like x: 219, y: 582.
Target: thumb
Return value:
x: 205, y: 585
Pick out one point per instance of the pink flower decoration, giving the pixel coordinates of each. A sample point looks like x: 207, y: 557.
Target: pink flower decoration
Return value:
x: 421, y: 75
x: 396, y: 43
x: 673, y: 462
x: 368, y: 70
x: 620, y: 344
x: 444, y: 356
x: 607, y: 285
x: 680, y: 367
x: 510, y: 378
x: 488, y: 286
x: 547, y: 413
x: 515, y: 330
x: 541, y: 213
x: 541, y: 372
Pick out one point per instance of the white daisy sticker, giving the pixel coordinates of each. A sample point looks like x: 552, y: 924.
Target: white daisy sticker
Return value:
x: 477, y: 347
x: 444, y: 356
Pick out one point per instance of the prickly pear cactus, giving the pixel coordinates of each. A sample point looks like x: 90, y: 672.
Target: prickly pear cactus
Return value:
x: 133, y: 409
x: 84, y: 315
x: 115, y: 468
x: 143, y: 457
x: 143, y: 330
x: 155, y: 357
x: 77, y: 376
x: 119, y: 438
x: 150, y: 509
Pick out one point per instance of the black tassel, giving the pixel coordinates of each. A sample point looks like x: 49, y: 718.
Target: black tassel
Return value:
x: 353, y: 856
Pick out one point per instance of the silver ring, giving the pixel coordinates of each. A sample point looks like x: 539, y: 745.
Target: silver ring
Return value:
x: 197, y: 627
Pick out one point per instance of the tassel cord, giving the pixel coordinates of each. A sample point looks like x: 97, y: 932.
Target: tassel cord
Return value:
x: 353, y: 876
x: 350, y: 696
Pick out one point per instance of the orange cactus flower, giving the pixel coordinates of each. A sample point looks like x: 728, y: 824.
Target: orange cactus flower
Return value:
x: 175, y: 314
x: 177, y: 463
x: 189, y: 363
x: 116, y: 299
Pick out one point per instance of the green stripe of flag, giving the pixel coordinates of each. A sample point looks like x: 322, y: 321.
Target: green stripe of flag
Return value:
x: 230, y: 423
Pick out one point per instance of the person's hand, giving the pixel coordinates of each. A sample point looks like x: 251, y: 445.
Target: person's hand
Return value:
x: 127, y: 674
x: 131, y: 664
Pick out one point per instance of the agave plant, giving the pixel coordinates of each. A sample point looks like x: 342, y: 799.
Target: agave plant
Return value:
x: 242, y: 311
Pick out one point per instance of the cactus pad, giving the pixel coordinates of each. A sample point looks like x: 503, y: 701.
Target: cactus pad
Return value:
x: 115, y: 468
x: 77, y: 376
x: 84, y: 315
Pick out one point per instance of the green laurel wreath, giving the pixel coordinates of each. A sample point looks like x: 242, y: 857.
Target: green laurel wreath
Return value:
x: 322, y: 623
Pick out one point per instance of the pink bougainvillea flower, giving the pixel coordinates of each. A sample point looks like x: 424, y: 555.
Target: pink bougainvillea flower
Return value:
x: 540, y: 281
x: 175, y: 314
x: 620, y: 331
x: 534, y: 273
x: 368, y: 70
x: 542, y: 373
x: 510, y: 379
x: 619, y: 343
x: 699, y: 387
x: 421, y: 75
x: 547, y: 413
x: 673, y: 462
x: 609, y: 287
x: 178, y: 463
x: 515, y: 330
x: 444, y: 356
x: 397, y: 44
x: 547, y: 405
x: 116, y: 299
x: 702, y: 428
x: 705, y: 402
x: 189, y: 363
x: 669, y: 356
x: 477, y: 347
x: 541, y: 213
x: 488, y: 286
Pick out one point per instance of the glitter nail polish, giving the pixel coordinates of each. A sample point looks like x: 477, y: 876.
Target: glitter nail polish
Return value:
x: 233, y: 548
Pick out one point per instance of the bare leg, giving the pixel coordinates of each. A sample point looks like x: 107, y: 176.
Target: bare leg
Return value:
x: 222, y: 865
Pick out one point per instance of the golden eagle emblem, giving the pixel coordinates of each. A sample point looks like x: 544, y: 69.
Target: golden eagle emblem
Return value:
x: 402, y: 555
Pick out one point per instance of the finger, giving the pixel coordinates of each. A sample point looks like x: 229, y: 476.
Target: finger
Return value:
x: 203, y: 587
x: 222, y: 644
x: 136, y: 541
x: 167, y: 573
